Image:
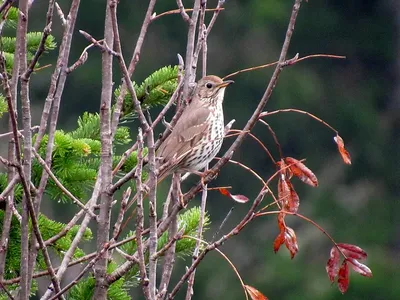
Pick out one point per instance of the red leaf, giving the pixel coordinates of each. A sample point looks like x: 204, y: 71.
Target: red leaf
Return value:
x: 343, y: 152
x: 332, y: 266
x: 299, y: 170
x: 280, y: 239
x: 360, y: 268
x: 281, y: 222
x: 283, y: 190
x: 287, y: 195
x: 224, y: 192
x: 294, y: 200
x: 255, y: 294
x: 237, y: 198
x: 291, y: 241
x: 353, y: 251
x: 343, y: 279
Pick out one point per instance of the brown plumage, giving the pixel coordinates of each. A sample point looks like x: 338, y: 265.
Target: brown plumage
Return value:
x: 197, y: 136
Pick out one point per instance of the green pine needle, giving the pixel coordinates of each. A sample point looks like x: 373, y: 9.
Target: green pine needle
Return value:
x: 155, y: 90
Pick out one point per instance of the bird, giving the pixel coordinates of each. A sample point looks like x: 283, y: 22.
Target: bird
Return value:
x: 196, y: 137
x: 198, y: 134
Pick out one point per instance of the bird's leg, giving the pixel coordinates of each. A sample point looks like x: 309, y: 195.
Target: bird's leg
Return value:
x: 166, y: 124
x: 177, y: 194
x: 203, y: 175
x: 181, y: 200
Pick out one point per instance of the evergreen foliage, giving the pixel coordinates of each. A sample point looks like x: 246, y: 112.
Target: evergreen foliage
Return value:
x: 3, y: 105
x: 85, y: 288
x: 188, y: 222
x: 33, y: 41
x: 48, y: 228
x: 155, y: 90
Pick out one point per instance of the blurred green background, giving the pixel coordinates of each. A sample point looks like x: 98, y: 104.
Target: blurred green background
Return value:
x: 359, y: 96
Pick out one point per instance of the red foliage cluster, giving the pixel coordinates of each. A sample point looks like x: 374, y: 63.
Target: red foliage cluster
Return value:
x: 352, y: 254
x: 286, y: 236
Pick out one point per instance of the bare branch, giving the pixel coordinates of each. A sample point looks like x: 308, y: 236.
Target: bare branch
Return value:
x: 20, y: 132
x: 249, y: 216
x: 189, y: 290
x: 139, y: 218
x: 103, y: 229
x: 190, y: 72
x: 61, y: 15
x: 126, y: 83
x: 173, y: 236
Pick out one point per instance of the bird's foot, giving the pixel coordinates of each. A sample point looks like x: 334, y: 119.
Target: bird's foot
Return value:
x: 145, y: 188
x: 204, y: 174
x: 182, y: 201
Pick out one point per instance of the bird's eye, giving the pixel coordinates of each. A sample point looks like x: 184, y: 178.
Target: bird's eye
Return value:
x: 209, y: 85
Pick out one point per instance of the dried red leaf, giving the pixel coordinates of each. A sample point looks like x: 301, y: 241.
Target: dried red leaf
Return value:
x: 291, y: 241
x: 332, y: 266
x: 281, y: 222
x: 279, y: 241
x: 343, y: 278
x: 360, y: 268
x: 283, y: 190
x: 299, y: 170
x: 287, y: 195
x: 293, y: 200
x: 285, y: 171
x: 254, y: 293
x: 353, y: 251
x: 343, y: 152
x: 237, y: 198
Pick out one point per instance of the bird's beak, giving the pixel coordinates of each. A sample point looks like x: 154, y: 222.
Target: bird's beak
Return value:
x: 225, y: 83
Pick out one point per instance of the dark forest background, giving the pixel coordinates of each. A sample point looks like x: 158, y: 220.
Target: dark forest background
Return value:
x: 359, y: 96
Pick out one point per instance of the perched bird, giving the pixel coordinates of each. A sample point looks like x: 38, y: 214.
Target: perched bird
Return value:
x: 198, y: 134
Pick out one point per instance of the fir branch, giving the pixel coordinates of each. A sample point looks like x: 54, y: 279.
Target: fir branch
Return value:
x: 155, y: 90
x: 3, y: 105
x: 33, y: 41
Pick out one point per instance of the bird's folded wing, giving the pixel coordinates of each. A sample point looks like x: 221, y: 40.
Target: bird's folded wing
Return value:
x: 188, y: 131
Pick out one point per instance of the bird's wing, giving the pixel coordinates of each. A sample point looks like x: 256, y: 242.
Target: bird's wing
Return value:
x: 186, y: 133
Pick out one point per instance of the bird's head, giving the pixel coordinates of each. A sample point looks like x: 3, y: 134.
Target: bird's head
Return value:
x: 211, y: 88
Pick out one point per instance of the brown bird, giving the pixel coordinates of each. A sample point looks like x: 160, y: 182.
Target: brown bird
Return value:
x: 198, y: 135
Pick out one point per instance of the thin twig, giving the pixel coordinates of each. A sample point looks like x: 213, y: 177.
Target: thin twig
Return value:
x: 140, y: 217
x: 276, y: 62
x: 259, y: 142
x: 178, y: 11
x: 41, y: 48
x: 9, y: 188
x: 82, y: 273
x: 61, y: 15
x: 227, y: 259
x: 199, y: 237
x: 216, y: 244
x: 10, y: 296
x: 190, y: 72
x: 60, y: 185
x: 122, y: 211
x: 265, y: 114
x: 152, y: 214
x: 8, y: 134
x: 183, y: 11
x: 173, y: 236
x: 127, y: 74
x: 274, y: 137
